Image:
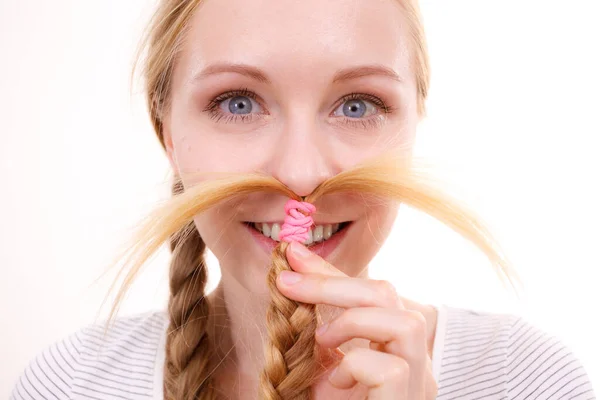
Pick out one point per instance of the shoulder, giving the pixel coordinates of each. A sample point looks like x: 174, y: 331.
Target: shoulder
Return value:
x: 541, y: 365
x: 91, y: 364
x: 504, y: 356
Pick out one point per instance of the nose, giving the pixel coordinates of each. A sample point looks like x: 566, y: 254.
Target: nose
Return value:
x: 303, y: 158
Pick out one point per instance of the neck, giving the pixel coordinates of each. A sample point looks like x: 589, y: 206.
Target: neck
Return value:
x: 236, y: 315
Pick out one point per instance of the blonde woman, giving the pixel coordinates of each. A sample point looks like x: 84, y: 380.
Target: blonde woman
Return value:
x: 289, y: 127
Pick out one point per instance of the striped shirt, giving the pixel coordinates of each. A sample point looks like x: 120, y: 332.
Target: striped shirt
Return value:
x: 476, y: 355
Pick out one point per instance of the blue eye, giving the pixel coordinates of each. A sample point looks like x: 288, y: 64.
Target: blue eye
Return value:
x: 239, y: 105
x: 233, y: 106
x: 355, y: 108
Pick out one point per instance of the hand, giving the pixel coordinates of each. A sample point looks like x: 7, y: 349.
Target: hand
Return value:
x: 397, y: 364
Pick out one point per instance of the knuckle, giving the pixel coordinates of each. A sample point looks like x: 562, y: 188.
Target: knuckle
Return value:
x: 387, y: 291
x: 356, y: 354
x: 347, y: 321
x: 399, y: 370
x: 352, y: 357
x: 320, y: 283
x: 417, y: 323
x: 326, y: 266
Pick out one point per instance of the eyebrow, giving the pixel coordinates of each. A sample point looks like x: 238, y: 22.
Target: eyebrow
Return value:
x: 341, y: 75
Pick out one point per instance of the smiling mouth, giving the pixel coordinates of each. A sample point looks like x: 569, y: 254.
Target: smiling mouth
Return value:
x: 317, y: 234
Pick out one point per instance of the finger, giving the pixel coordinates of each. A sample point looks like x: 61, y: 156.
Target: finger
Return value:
x: 386, y: 375
x: 402, y: 333
x: 345, y: 292
x: 301, y: 259
x: 377, y: 346
x: 399, y: 332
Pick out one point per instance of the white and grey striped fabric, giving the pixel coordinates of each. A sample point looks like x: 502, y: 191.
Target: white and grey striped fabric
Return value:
x: 477, y: 355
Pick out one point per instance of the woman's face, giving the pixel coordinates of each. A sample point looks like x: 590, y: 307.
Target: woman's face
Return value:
x: 300, y: 90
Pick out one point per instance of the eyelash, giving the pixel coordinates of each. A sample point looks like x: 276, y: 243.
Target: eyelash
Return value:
x: 215, y: 113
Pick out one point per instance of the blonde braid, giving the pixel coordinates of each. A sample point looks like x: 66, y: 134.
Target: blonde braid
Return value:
x: 188, y: 353
x: 291, y: 361
x: 291, y: 364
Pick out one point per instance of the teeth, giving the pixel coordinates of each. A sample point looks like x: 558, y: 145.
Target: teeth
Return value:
x: 327, y: 232
x: 266, y: 229
x: 309, y: 241
x: 317, y: 234
x: 274, y: 232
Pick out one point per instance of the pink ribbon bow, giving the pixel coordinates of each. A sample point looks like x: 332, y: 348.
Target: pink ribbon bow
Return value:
x: 297, y: 222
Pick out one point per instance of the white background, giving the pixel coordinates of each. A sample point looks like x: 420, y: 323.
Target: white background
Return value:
x: 513, y: 121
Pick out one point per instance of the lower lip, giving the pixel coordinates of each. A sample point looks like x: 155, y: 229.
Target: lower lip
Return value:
x: 323, y: 249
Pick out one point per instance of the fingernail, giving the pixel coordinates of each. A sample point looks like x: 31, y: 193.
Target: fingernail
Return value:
x: 321, y: 330
x: 289, y: 277
x: 300, y: 250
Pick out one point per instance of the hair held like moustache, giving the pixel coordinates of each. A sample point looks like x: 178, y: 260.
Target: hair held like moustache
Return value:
x: 391, y: 177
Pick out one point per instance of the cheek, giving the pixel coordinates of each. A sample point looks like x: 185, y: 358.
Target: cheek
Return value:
x: 349, y: 151
x: 245, y: 264
x: 219, y: 231
x: 205, y: 224
x: 379, y: 222
x: 371, y: 232
x: 200, y: 150
x: 196, y: 154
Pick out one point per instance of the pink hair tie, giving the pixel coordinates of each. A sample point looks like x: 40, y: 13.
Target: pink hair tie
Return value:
x: 297, y: 222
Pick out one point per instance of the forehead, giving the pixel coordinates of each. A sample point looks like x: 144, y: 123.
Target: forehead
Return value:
x: 306, y: 40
